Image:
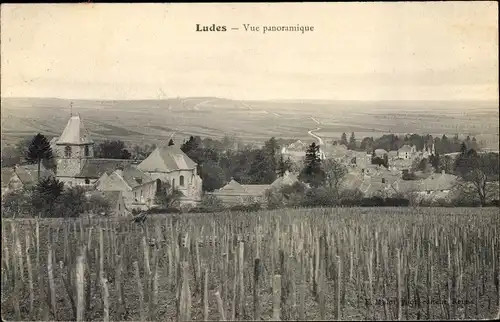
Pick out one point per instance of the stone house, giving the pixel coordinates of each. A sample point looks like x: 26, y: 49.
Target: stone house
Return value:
x: 406, y: 152
x: 171, y: 165
x: 137, y: 188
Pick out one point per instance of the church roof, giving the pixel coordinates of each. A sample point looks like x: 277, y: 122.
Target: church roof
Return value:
x: 74, y: 132
x: 95, y: 168
x: 166, y: 159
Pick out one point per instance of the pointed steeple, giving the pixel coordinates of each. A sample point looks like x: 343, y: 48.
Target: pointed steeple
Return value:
x: 75, y: 132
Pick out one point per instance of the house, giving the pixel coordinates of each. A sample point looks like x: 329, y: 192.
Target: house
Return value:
x: 406, y: 152
x: 172, y: 166
x: 235, y: 193
x: 437, y: 186
x: 380, y: 153
x: 137, y: 188
x: 22, y: 176
x: 287, y: 180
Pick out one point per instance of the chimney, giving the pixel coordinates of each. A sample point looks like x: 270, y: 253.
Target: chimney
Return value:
x: 119, y: 172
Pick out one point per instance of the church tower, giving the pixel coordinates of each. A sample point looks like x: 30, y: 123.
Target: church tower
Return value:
x: 72, y: 148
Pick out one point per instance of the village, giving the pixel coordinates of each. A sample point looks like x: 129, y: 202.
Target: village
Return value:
x: 132, y: 186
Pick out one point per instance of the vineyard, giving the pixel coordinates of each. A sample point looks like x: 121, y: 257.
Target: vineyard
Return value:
x: 313, y: 264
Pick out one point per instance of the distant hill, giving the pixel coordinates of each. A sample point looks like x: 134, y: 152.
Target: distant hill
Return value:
x: 154, y: 121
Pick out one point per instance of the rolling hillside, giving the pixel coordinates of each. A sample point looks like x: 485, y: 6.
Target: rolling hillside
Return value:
x: 154, y: 121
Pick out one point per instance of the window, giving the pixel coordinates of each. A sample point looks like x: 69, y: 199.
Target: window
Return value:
x: 87, y: 152
x: 173, y: 183
x: 67, y: 152
x: 383, y: 180
x: 158, y: 186
x: 181, y: 181
x: 119, y: 206
x: 87, y: 181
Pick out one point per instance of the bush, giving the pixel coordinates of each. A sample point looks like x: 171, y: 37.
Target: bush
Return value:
x: 351, y: 197
x: 247, y: 207
x: 210, y: 203
x: 97, y: 204
x: 16, y: 204
x: 321, y: 196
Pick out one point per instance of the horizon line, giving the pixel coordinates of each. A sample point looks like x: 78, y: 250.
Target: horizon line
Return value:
x: 237, y: 99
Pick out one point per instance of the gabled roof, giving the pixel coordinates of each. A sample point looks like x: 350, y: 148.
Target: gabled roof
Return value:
x: 74, y: 132
x: 287, y: 179
x: 233, y: 187
x: 405, y: 148
x: 255, y: 189
x: 352, y: 181
x: 167, y: 159
x: 27, y: 174
x: 95, y: 168
x: 380, y: 152
x: 298, y: 145
x: 135, y: 177
x: 7, y: 173
x: 441, y: 181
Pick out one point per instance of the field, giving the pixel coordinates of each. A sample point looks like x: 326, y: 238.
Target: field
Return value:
x: 154, y: 121
x: 342, y: 263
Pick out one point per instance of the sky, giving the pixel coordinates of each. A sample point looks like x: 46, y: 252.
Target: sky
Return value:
x: 357, y: 51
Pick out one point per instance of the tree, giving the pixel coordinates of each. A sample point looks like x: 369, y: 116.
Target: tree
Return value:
x: 112, y: 150
x: 212, y: 175
x: 97, y: 204
x: 39, y: 150
x: 477, y: 171
x: 352, y: 142
x: 343, y: 139
x: 366, y: 144
x: 284, y: 165
x: 72, y: 202
x: 335, y: 173
x: 45, y: 195
x: 15, y: 203
x: 271, y: 150
x: 171, y: 142
x: 125, y: 154
x: 166, y: 197
x: 434, y: 160
x: 12, y: 155
x: 312, y: 172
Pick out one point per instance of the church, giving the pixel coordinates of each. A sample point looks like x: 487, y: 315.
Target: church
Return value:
x: 138, y: 183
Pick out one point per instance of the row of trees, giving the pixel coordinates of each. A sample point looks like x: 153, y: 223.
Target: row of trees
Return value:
x: 390, y: 142
x: 48, y: 198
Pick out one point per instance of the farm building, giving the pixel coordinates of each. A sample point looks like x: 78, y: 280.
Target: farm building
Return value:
x: 22, y: 176
x: 136, y: 187
x: 235, y: 193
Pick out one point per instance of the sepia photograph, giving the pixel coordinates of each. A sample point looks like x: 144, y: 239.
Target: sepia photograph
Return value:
x: 250, y: 161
